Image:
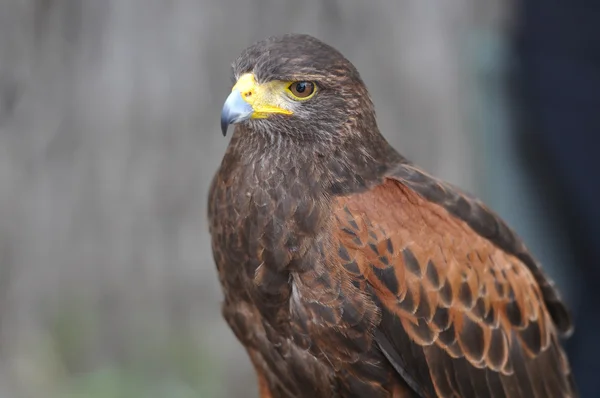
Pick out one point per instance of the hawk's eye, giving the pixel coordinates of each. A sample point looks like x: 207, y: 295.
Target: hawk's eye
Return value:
x: 302, y: 90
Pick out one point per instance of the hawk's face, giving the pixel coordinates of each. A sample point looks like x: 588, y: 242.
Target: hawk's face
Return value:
x: 295, y: 85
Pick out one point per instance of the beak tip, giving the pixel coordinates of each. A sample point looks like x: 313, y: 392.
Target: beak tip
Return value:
x: 234, y: 110
x: 224, y: 126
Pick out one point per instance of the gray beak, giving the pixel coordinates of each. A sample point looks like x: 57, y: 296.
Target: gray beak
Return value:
x: 235, y: 110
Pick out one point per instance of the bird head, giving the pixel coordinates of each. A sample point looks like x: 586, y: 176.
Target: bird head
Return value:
x: 297, y: 86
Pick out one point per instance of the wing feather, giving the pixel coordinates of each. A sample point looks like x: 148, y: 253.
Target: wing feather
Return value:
x: 465, y: 310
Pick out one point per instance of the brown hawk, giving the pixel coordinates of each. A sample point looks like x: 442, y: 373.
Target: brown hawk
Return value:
x: 348, y: 271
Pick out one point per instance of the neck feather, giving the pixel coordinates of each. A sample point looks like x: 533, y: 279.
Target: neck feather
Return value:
x: 320, y: 166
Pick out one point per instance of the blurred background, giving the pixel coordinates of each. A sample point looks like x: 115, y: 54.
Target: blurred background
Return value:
x: 109, y: 137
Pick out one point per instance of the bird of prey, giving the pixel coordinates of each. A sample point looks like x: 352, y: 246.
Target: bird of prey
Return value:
x: 348, y: 271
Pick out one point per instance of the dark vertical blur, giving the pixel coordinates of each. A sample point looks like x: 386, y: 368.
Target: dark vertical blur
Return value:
x: 558, y: 83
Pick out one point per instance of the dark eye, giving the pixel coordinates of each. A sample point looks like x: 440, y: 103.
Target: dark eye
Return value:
x: 302, y: 90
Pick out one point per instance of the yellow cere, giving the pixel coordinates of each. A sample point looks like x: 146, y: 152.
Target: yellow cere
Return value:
x: 265, y: 99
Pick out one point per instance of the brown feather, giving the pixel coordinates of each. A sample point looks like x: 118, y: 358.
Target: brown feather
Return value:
x: 349, y: 272
x: 479, y: 322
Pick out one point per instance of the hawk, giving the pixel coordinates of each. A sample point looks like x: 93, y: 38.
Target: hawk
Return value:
x: 348, y: 271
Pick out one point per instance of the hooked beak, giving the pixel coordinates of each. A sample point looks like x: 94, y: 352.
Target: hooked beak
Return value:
x: 235, y: 110
x: 250, y: 100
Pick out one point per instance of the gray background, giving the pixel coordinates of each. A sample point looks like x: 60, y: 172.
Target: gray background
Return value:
x: 109, y: 138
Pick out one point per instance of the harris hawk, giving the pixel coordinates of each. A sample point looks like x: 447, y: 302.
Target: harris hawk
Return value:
x: 347, y: 271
